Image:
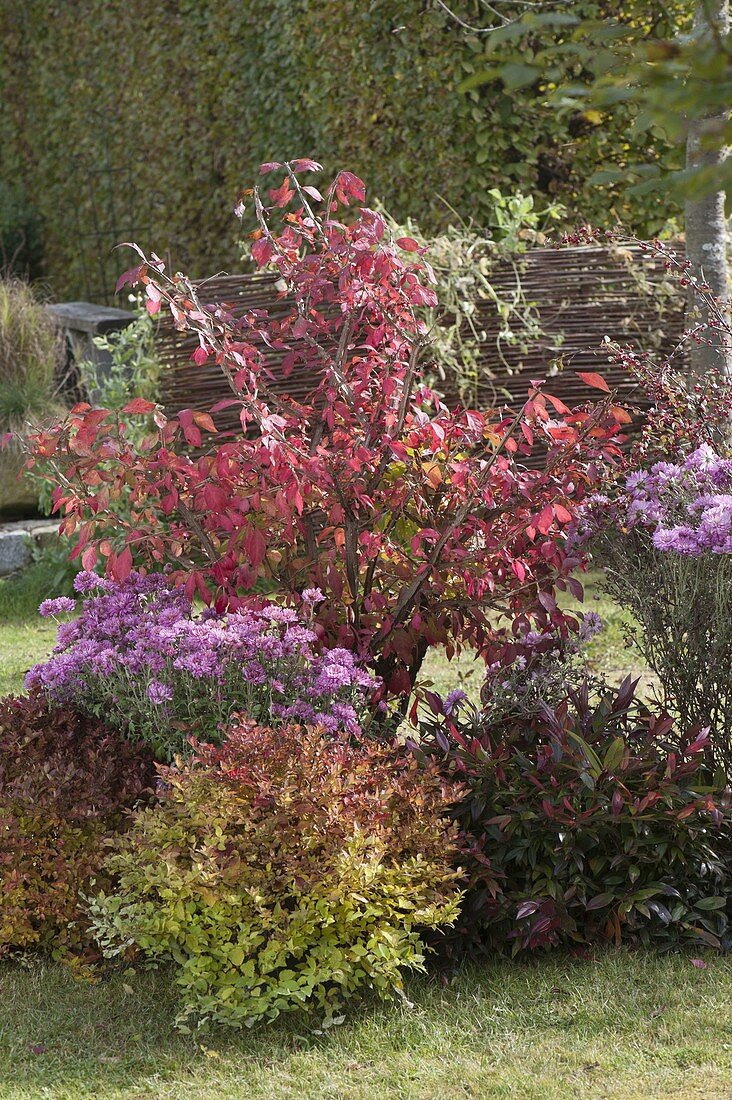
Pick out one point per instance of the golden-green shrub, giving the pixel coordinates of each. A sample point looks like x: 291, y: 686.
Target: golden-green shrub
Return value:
x: 281, y: 871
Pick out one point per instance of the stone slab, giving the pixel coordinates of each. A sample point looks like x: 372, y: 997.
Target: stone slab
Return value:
x: 90, y: 318
x: 16, y: 541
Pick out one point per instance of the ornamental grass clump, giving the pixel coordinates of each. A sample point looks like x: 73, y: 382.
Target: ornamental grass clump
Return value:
x: 283, y: 871
x: 31, y: 357
x: 31, y: 354
x: 139, y: 657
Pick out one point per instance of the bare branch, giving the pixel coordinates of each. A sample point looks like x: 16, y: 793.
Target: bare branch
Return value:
x: 502, y: 20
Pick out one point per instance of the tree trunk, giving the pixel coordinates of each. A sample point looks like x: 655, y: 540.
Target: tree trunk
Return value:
x: 706, y: 224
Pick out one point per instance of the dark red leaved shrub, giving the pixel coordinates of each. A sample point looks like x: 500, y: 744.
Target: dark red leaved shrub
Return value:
x: 589, y: 822
x: 65, y: 782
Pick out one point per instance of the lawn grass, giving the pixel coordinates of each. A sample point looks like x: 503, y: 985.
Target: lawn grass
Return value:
x: 614, y: 1025
x: 25, y: 637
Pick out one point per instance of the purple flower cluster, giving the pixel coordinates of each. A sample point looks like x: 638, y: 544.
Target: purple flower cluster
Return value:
x: 537, y: 670
x: 62, y: 605
x: 687, y: 505
x: 138, y: 655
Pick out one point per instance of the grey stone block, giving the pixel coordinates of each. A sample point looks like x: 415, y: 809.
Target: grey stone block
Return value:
x: 90, y: 318
x: 15, y: 552
x: 44, y: 532
x: 17, y: 539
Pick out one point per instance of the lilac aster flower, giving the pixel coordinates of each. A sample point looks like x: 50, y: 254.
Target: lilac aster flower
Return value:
x: 665, y: 471
x: 637, y: 479
x: 312, y: 596
x: 681, y: 539
x: 590, y: 626
x: 158, y: 692
x: 279, y: 614
x: 327, y: 722
x: 685, y: 506
x: 62, y: 605
x: 453, y: 699
x: 139, y: 644
x: 86, y: 581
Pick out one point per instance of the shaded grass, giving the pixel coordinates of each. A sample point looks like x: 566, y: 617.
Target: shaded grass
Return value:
x: 616, y: 1025
x: 22, y: 645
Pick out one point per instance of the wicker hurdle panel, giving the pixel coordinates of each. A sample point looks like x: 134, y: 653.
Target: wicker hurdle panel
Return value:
x: 580, y: 295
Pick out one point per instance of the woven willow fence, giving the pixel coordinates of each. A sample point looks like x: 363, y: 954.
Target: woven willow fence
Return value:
x: 577, y: 296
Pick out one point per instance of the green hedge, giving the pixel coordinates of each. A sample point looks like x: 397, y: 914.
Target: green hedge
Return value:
x: 194, y: 94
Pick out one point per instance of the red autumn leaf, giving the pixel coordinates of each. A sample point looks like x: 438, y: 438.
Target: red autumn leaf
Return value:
x: 544, y: 520
x: 281, y: 195
x: 130, y: 278
x: 621, y: 415
x: 304, y: 164
x: 203, y: 419
x: 596, y: 381
x: 527, y: 433
x: 262, y: 251
x: 408, y: 244
x: 121, y: 565
x: 89, y: 557
x: 270, y: 166
x: 138, y: 405
x: 558, y: 405
x: 200, y: 355
x: 350, y: 186
x: 154, y: 297
x: 225, y: 404
x: 190, y: 431
x: 255, y: 546
x: 700, y: 745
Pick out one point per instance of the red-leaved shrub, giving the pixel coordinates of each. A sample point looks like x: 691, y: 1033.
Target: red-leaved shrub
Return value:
x: 420, y: 524
x: 65, y: 782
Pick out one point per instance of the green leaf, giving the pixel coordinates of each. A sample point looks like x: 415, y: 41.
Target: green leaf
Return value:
x: 477, y: 80
x: 606, y: 175
x: 711, y: 903
x: 518, y: 75
x: 600, y: 901
x: 592, y: 757
x: 614, y: 754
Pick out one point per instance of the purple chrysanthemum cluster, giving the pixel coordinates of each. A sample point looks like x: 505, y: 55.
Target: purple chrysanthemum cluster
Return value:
x: 686, y: 504
x: 138, y: 655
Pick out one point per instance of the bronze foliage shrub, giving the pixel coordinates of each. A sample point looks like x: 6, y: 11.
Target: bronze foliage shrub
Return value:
x: 65, y: 784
